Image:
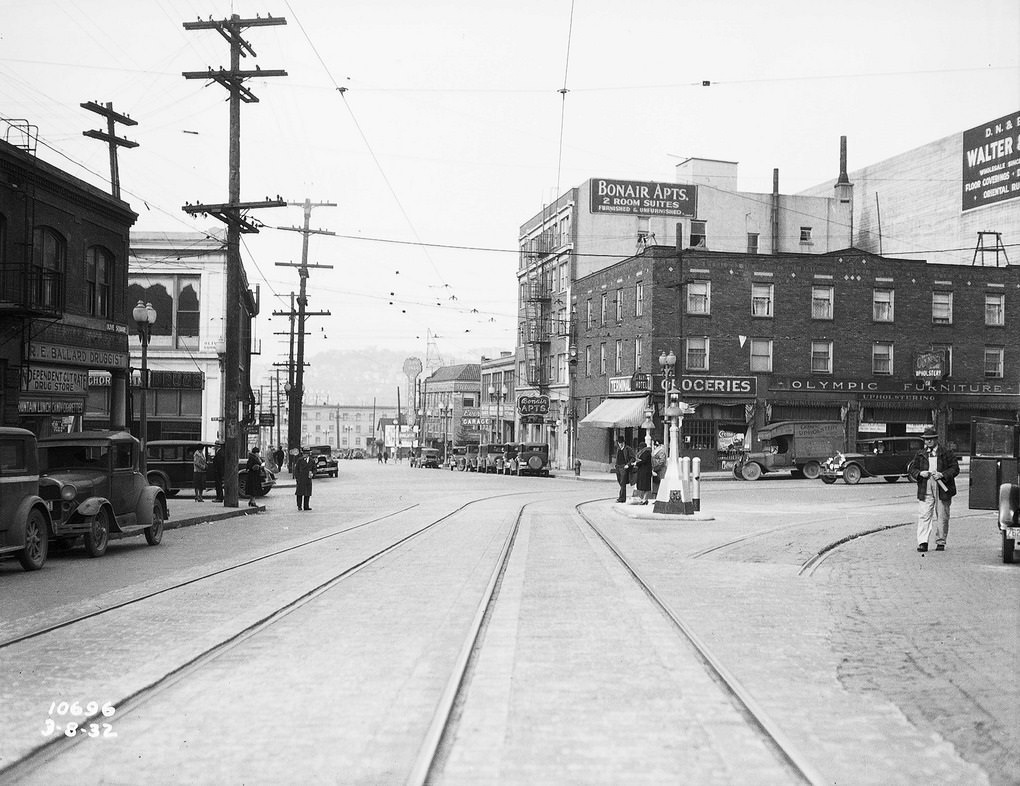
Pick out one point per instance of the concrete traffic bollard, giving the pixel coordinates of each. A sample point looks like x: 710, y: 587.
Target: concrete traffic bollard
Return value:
x: 685, y: 480
x: 696, y: 483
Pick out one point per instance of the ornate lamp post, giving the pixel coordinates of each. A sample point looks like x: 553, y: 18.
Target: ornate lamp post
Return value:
x: 445, y: 412
x: 668, y: 365
x: 670, y: 498
x: 498, y: 431
x: 145, y: 317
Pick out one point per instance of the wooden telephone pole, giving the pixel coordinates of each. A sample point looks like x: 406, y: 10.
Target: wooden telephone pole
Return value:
x: 232, y: 213
x: 294, y: 395
x: 110, y: 137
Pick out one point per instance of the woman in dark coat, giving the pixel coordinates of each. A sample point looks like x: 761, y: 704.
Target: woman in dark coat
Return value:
x: 643, y: 463
x: 253, y: 481
x: 304, y: 469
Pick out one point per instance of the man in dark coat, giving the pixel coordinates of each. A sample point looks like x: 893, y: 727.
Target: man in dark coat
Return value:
x: 217, y: 470
x: 623, y: 464
x: 643, y: 463
x: 935, y: 468
x: 253, y: 481
x: 304, y: 470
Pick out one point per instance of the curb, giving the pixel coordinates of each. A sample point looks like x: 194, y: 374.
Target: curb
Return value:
x: 229, y: 513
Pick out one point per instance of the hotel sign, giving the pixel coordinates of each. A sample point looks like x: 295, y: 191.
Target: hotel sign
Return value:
x: 643, y: 198
x: 991, y: 162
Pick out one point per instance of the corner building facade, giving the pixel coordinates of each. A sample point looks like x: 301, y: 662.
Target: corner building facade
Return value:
x: 846, y: 336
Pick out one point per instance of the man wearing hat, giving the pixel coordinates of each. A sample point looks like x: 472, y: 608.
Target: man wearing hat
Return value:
x: 935, y: 467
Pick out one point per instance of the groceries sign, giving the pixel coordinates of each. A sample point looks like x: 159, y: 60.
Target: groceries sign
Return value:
x: 646, y: 199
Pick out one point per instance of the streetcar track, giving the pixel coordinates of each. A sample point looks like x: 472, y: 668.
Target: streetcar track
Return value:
x: 54, y: 747
x: 776, y: 738
x: 195, y: 579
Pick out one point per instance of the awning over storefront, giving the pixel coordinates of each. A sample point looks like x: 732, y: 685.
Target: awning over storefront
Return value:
x: 618, y: 413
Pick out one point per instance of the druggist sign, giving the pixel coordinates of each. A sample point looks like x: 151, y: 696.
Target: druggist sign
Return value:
x: 991, y: 162
x: 643, y: 198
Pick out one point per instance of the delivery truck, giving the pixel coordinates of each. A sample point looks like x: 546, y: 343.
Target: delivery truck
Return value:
x: 796, y: 446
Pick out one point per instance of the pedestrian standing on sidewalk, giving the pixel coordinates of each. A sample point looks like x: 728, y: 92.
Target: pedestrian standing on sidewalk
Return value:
x: 643, y: 467
x: 200, y: 465
x: 658, y: 465
x: 279, y: 457
x: 217, y: 470
x: 935, y: 468
x: 304, y: 470
x: 253, y: 481
x: 623, y: 464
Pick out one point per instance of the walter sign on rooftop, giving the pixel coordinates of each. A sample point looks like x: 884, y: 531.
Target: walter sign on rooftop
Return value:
x: 644, y: 198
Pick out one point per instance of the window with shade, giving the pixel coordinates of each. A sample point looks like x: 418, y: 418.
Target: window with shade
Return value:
x: 177, y: 300
x: 882, y: 305
x: 995, y: 309
x: 994, y: 362
x: 761, y: 300
x: 942, y: 308
x: 821, y: 302
x: 697, y: 353
x: 761, y: 354
x: 98, y: 281
x: 699, y: 297
x: 882, y: 358
x: 821, y: 357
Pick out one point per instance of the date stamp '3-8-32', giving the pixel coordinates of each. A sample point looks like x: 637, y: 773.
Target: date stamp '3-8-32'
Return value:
x: 89, y: 724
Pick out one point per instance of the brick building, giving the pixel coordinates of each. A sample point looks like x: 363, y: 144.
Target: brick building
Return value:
x: 64, y: 314
x: 884, y: 346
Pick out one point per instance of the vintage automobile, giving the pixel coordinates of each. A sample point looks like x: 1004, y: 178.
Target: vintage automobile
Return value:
x: 325, y: 462
x: 798, y: 447
x: 532, y: 459
x: 880, y: 457
x: 464, y: 458
x: 170, y: 464
x: 995, y: 476
x: 24, y: 516
x: 427, y: 458
x: 91, y: 482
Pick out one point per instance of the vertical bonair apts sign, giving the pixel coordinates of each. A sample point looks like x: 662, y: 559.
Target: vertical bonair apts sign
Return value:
x: 991, y: 162
x: 643, y: 198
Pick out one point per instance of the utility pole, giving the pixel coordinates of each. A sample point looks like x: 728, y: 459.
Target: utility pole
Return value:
x: 232, y: 214
x: 110, y: 137
x: 296, y: 392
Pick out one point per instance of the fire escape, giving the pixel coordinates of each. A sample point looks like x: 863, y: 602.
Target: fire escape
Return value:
x: 535, y: 327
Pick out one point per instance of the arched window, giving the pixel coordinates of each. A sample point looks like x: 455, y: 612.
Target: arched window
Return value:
x: 98, y: 282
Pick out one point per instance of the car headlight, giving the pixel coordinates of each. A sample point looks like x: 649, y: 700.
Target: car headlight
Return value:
x: 68, y: 492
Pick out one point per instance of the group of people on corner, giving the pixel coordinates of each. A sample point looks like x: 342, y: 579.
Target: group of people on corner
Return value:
x: 303, y: 469
x: 643, y: 468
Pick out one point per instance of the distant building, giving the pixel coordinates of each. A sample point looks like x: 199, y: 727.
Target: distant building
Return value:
x: 595, y: 225
x: 64, y: 311
x: 449, y: 409
x: 955, y: 200
x: 498, y: 397
x: 884, y: 346
x: 341, y: 426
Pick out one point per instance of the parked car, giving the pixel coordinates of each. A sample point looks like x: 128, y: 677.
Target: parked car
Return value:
x: 533, y: 459
x: 325, y: 462
x: 170, y: 464
x: 25, y: 524
x: 995, y: 477
x: 885, y: 457
x: 464, y: 458
x: 94, y: 489
x: 428, y: 458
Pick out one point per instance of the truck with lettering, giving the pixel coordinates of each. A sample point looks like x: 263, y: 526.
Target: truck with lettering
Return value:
x: 797, y: 446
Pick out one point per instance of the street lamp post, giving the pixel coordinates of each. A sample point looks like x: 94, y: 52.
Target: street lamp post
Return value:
x: 145, y: 317
x: 668, y: 365
x: 670, y: 498
x: 445, y: 412
x: 498, y: 431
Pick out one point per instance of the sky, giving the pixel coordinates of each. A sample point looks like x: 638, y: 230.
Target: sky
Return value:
x: 437, y: 128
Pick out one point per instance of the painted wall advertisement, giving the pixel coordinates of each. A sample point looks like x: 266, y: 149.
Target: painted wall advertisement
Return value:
x: 991, y: 162
x: 644, y: 198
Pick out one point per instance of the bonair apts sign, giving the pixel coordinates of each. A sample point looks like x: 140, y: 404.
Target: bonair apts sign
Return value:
x: 643, y: 198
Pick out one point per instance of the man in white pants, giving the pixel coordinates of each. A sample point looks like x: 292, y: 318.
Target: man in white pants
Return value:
x: 935, y: 468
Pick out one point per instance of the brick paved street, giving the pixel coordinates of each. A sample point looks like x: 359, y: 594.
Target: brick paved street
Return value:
x: 883, y: 665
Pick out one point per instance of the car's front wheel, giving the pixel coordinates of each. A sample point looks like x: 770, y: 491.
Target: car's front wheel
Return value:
x: 852, y: 475
x: 812, y: 470
x: 37, y: 539
x: 98, y: 536
x: 154, y: 533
